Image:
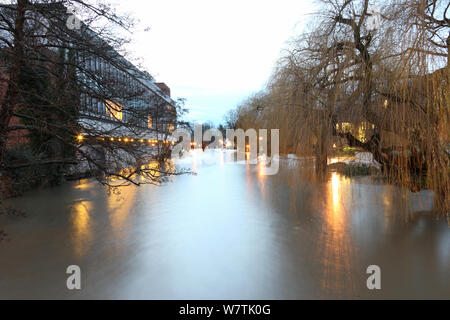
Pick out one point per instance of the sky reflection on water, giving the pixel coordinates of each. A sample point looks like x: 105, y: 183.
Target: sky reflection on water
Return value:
x: 227, y: 232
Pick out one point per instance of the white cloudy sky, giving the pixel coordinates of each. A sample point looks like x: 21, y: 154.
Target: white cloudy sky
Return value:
x: 213, y: 53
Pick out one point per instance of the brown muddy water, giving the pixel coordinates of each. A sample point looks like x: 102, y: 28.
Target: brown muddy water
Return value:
x: 227, y: 233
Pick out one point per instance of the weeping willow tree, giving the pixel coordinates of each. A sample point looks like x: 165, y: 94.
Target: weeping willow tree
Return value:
x: 375, y: 78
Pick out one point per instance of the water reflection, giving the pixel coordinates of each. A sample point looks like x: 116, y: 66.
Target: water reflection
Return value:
x: 228, y: 232
x: 336, y: 250
x: 81, y: 223
x: 335, y: 184
x: 120, y: 205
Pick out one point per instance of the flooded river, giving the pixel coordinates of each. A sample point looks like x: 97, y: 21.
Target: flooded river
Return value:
x: 227, y: 233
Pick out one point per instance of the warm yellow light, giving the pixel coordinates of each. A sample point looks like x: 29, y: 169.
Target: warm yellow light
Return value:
x: 149, y: 121
x: 142, y: 140
x: 260, y: 138
x: 132, y: 140
x: 112, y: 139
x: 334, y: 145
x: 335, y: 184
x: 114, y: 110
x: 126, y: 140
x: 80, y: 137
x: 120, y: 139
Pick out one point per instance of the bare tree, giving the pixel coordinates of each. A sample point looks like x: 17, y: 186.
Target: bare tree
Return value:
x: 68, y: 84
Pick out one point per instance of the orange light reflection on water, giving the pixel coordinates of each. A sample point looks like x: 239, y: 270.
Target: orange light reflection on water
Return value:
x: 336, y: 246
x: 81, y: 224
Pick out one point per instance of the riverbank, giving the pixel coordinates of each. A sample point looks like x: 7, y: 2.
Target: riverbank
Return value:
x: 81, y: 168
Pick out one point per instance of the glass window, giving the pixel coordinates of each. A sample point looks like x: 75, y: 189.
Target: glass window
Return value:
x: 149, y: 121
x: 114, y: 110
x: 100, y: 108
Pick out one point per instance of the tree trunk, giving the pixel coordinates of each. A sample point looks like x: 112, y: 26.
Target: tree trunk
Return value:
x: 322, y: 148
x: 11, y: 97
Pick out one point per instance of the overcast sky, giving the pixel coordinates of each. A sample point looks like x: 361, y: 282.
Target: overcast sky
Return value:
x: 213, y: 53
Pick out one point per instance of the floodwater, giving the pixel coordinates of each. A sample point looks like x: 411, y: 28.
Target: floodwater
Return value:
x: 227, y: 233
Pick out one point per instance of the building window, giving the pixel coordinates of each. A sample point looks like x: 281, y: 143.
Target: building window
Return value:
x: 114, y: 110
x: 100, y: 107
x: 83, y: 101
x: 149, y: 121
